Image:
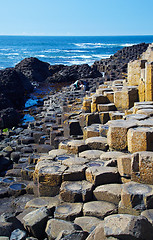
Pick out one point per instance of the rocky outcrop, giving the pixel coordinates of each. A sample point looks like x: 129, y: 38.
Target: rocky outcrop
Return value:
x: 33, y: 69
x: 115, y: 67
x: 71, y: 73
x: 12, y: 88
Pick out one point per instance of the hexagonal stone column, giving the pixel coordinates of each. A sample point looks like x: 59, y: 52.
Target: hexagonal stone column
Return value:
x: 124, y: 165
x: 117, y: 133
x: 106, y: 107
x: 102, y: 175
x: 125, y: 226
x: 142, y: 167
x: 135, y: 198
x: 55, y: 226
x: 108, y: 192
x: 76, y: 146
x: 91, y: 131
x: 77, y: 191
x: 99, y: 209
x: 87, y: 223
x: 97, y: 143
x: 49, y: 179
x: 91, y: 154
x: 140, y: 139
x: 68, y: 211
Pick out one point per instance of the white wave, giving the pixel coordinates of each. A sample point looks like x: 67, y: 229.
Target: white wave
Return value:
x: 127, y: 44
x: 4, y: 49
x: 11, y: 54
x: 43, y: 56
x: 88, y: 45
x: 98, y: 45
x: 51, y: 51
x: 101, y: 55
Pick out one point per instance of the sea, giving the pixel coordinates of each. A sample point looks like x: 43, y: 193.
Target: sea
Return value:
x: 63, y: 50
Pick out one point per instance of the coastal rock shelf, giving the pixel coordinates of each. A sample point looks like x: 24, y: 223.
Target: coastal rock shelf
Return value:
x: 83, y: 168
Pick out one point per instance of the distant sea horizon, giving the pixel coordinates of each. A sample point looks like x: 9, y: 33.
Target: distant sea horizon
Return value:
x: 66, y: 50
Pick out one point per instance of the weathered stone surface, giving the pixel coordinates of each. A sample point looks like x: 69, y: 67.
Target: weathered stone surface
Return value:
x: 116, y: 115
x: 135, y: 198
x: 117, y: 133
x: 106, y: 156
x: 108, y: 192
x: 76, y: 191
x: 91, y: 154
x: 68, y: 211
x: 136, y: 117
x: 27, y: 172
x: 56, y: 152
x: 148, y: 214
x: 48, y: 179
x: 98, y: 233
x: 49, y: 202
x: 126, y: 226
x: 55, y: 226
x: 91, y: 131
x: 51, y: 175
x: 140, y: 139
x: 124, y: 165
x: 99, y: 209
x: 106, y: 107
x: 72, y: 235
x: 35, y: 222
x: 87, y: 223
x: 74, y: 161
x: 97, y: 143
x: 76, y: 146
x: 142, y: 167
x: 102, y: 175
x: 18, y: 234
x: 74, y: 173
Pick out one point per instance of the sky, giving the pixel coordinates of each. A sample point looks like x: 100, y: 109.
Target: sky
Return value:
x: 76, y: 17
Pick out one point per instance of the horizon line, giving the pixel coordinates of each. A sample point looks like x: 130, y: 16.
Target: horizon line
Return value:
x: 30, y: 35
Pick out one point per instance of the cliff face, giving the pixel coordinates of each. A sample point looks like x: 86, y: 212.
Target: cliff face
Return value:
x: 115, y: 67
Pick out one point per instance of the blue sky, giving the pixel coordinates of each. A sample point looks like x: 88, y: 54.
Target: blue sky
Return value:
x: 76, y: 17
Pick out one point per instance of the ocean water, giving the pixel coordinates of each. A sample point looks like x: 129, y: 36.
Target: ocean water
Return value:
x: 63, y: 50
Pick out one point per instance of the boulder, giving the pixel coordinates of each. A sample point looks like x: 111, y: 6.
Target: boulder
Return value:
x: 108, y: 192
x: 99, y: 209
x: 124, y: 226
x: 141, y: 167
x: 74, y: 173
x: 35, y: 222
x: 91, y: 154
x: 55, y: 226
x: 76, y: 191
x: 97, y: 143
x: 98, y: 175
x: 68, y: 211
x: 135, y: 198
x: 72, y: 235
x: 33, y: 69
x: 87, y: 223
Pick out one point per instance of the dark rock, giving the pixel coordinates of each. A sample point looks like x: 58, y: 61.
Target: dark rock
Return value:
x: 12, y: 88
x: 115, y: 67
x: 34, y: 69
x: 74, y: 72
x: 5, y: 229
x: 4, y: 163
x: 9, y: 117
